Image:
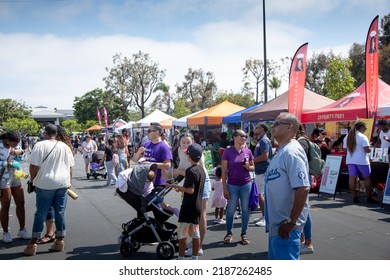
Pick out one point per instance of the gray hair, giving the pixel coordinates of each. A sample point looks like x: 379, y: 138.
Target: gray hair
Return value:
x: 291, y: 118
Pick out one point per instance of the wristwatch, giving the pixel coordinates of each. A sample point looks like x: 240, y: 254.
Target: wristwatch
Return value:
x: 290, y: 221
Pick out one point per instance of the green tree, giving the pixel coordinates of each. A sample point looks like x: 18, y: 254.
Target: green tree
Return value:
x: 133, y: 80
x: 274, y: 85
x: 244, y: 100
x: 72, y: 126
x: 254, y: 76
x: 339, y: 81
x: 180, y: 109
x: 23, y: 125
x: 357, y: 55
x: 164, y: 100
x: 86, y: 105
x: 197, y: 89
x: 384, y: 37
x: 316, y: 71
x: 10, y: 108
x: 384, y: 49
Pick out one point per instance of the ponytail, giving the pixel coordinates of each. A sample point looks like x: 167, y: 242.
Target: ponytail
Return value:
x: 351, y: 138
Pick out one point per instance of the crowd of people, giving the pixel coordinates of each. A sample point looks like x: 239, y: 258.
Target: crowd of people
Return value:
x: 282, y: 178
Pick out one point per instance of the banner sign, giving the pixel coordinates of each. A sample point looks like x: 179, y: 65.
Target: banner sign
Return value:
x: 372, y: 65
x: 330, y: 174
x: 297, y: 81
x: 99, y: 116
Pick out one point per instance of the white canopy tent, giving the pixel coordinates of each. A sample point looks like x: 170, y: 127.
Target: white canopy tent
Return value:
x: 155, y: 116
x: 183, y: 120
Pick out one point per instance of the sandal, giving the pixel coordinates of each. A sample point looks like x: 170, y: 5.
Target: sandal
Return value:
x: 31, y: 250
x: 228, y: 238
x: 47, y: 239
x: 245, y: 240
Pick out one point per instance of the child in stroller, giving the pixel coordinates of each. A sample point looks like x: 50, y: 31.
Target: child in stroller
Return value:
x: 137, y: 190
x: 97, y: 167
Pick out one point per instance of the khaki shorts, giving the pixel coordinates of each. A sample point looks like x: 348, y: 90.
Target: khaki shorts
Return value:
x: 185, y: 228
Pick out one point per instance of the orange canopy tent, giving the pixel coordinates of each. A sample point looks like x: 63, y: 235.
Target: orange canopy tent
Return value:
x: 214, y: 115
x: 167, y: 123
x: 94, y: 127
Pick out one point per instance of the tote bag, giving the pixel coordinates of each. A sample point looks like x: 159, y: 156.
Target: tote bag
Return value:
x: 254, y: 198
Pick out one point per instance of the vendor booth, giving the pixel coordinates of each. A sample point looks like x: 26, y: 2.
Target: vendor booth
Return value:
x: 273, y: 108
x: 351, y: 106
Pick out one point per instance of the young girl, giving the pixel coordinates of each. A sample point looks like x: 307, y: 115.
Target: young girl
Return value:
x: 219, y: 202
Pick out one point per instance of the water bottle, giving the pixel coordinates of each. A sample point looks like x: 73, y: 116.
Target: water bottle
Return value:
x: 15, y: 164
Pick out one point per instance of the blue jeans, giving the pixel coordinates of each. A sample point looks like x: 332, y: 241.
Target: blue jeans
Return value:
x: 110, y: 167
x: 307, y: 227
x: 122, y: 162
x: 44, y: 200
x: 243, y: 194
x: 284, y: 249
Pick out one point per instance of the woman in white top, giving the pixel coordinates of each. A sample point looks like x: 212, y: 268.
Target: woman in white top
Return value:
x: 358, y: 148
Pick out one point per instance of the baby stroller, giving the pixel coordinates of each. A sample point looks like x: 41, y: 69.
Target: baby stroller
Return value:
x: 145, y: 229
x: 97, y: 167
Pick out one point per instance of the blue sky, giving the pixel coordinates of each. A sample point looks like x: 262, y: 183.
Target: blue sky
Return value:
x: 52, y: 51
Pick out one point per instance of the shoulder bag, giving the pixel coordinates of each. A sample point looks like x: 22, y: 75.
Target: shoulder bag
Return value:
x: 30, y: 186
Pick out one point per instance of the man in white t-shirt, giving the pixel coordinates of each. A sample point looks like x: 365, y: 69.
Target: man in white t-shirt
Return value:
x: 384, y: 136
x: 89, y: 147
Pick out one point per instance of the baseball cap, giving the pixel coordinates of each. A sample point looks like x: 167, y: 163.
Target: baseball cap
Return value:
x: 195, y: 151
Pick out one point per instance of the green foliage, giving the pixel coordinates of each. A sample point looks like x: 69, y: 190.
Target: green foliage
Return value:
x: 86, y: 105
x: 357, y: 55
x: 244, y: 100
x: 339, y: 81
x: 132, y: 81
x: 164, y: 100
x: 384, y: 63
x: 180, y: 109
x: 72, y: 126
x: 24, y: 126
x: 274, y: 85
x: 197, y: 89
x: 254, y: 75
x: 316, y: 70
x: 12, y: 109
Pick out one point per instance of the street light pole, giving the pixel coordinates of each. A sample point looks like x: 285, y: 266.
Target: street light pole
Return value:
x: 265, y: 56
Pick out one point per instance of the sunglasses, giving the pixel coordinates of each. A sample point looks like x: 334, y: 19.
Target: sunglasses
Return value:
x: 151, y: 130
x: 242, y: 135
x: 277, y: 123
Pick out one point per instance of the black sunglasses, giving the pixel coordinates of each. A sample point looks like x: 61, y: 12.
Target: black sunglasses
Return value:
x: 276, y: 123
x: 242, y: 135
x: 151, y: 130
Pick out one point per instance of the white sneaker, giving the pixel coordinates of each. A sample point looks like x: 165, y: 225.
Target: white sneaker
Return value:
x: 261, y: 222
x: 7, y: 237
x: 306, y: 250
x: 24, y: 234
x: 221, y: 221
x: 188, y: 252
x: 257, y: 219
x: 216, y: 221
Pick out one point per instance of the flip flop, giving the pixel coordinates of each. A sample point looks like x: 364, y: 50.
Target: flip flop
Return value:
x: 46, y: 239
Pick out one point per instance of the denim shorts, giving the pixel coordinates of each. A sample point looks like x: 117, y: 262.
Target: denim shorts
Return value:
x: 284, y: 249
x: 207, y: 188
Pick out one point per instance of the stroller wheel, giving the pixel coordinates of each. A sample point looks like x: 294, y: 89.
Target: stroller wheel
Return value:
x: 95, y: 177
x: 105, y: 176
x: 165, y: 250
x: 125, y: 250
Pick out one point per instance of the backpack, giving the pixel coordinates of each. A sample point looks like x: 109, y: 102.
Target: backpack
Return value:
x: 316, y: 163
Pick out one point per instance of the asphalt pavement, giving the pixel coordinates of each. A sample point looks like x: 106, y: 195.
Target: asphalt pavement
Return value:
x: 341, y: 230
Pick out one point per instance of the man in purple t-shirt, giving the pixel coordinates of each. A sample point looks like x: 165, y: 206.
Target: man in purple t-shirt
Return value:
x: 155, y: 150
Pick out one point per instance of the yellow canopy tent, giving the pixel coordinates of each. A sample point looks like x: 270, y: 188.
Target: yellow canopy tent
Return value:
x: 94, y: 127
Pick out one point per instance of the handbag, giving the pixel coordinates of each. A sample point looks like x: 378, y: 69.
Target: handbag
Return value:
x: 254, y: 198
x: 30, y: 186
